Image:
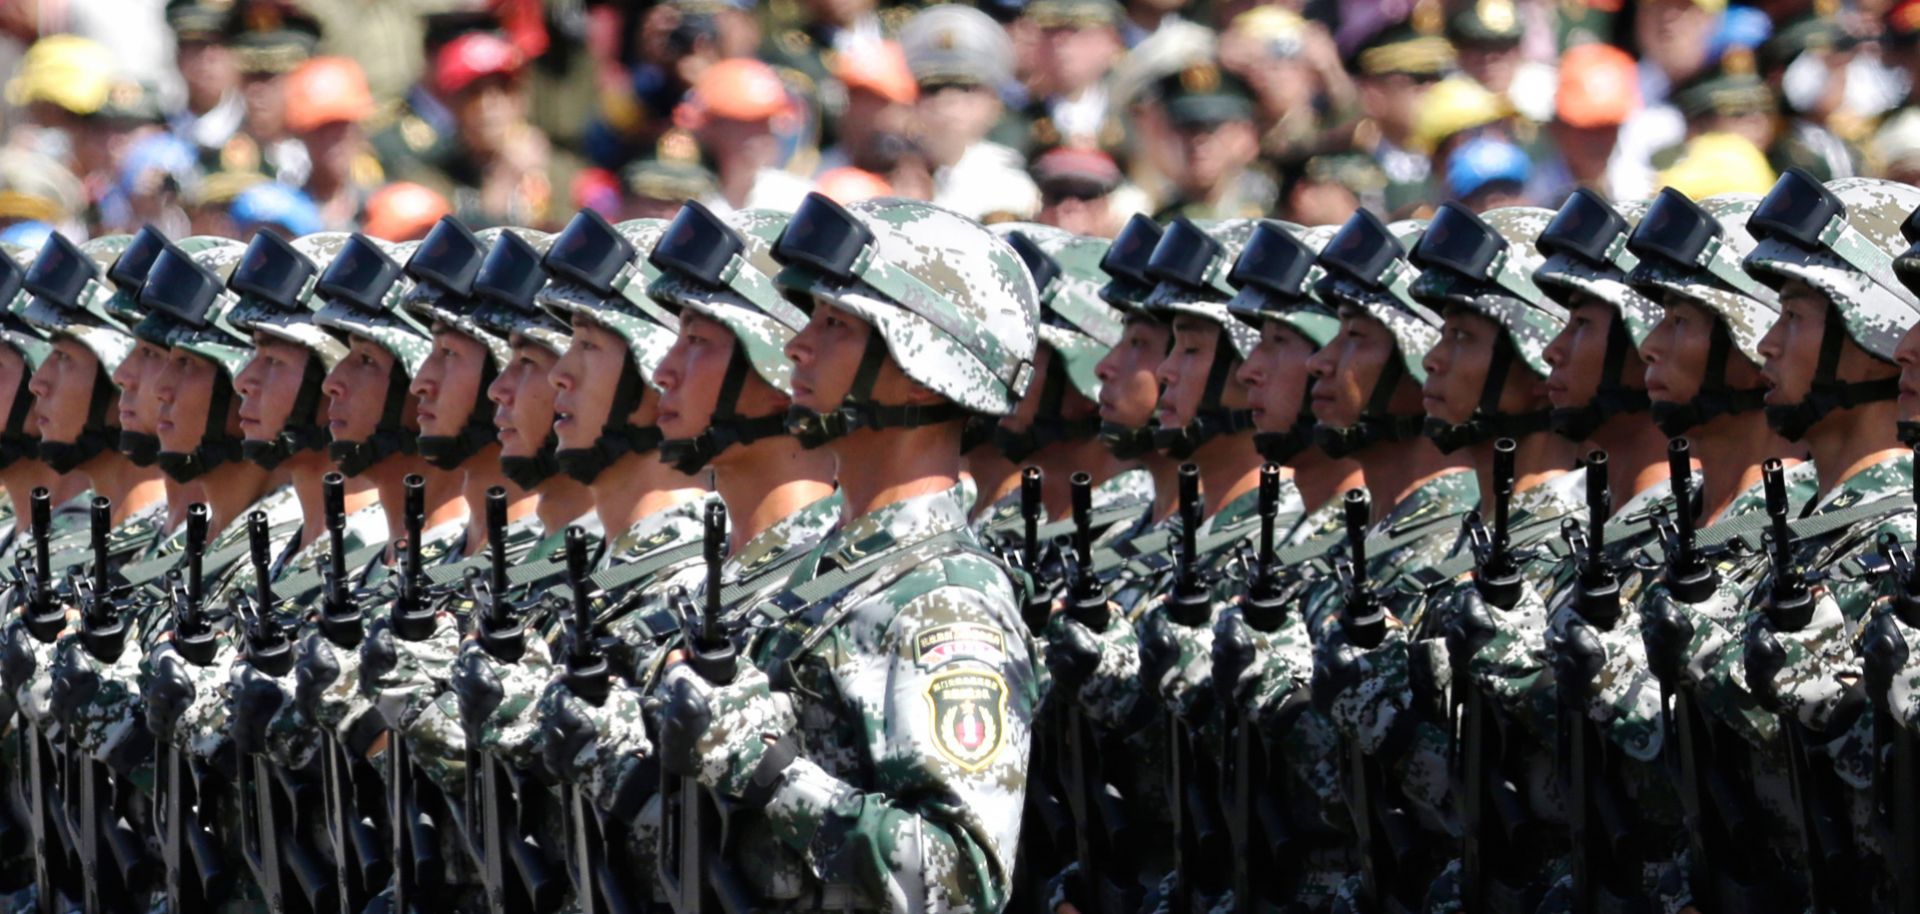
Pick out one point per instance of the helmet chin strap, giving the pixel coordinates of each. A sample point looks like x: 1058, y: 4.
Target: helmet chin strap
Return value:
x: 618, y: 437
x: 1281, y: 447
x: 1611, y: 398
x: 1376, y: 423
x: 1909, y: 432
x: 448, y: 452
x: 1047, y: 427
x: 857, y: 409
x: 725, y: 428
x: 390, y: 437
x: 301, y: 432
x: 216, y: 446
x: 1487, y: 421
x: 95, y: 436
x: 532, y: 469
x: 15, y: 443
x: 1212, y: 419
x: 1828, y: 392
x: 1715, y: 398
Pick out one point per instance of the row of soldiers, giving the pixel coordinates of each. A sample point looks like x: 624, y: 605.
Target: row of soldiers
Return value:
x: 1519, y: 561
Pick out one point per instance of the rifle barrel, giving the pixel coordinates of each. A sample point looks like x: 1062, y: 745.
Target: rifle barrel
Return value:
x: 577, y: 582
x: 1599, y: 506
x: 1504, y: 451
x: 102, y: 523
x: 497, y: 540
x: 198, y: 518
x: 1269, y: 512
x: 42, y: 509
x: 1030, y: 493
x: 712, y: 630
x: 1081, y: 490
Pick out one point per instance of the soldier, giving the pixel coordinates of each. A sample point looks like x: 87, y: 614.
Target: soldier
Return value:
x: 899, y: 606
x: 1831, y: 385
x: 1128, y: 390
x: 1211, y: 111
x: 25, y: 348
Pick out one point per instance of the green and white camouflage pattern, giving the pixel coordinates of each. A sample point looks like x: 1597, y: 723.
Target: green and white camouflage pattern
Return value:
x: 391, y: 328
x: 434, y: 305
x: 1075, y: 321
x: 749, y: 305
x: 955, y: 305
x: 1312, y: 318
x: 219, y: 341
x: 250, y: 315
x: 92, y: 323
x: 1875, y: 307
x: 1414, y: 327
x: 1530, y: 319
x: 1171, y: 298
x: 1748, y: 310
x: 648, y: 329
x: 1561, y: 274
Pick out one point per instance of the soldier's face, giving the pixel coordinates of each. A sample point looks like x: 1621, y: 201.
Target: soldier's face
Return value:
x: 581, y: 407
x: 1578, y: 355
x: 139, y: 412
x: 1676, y: 354
x: 270, y: 386
x: 1183, y: 373
x: 185, y: 392
x: 1907, y: 354
x: 1074, y: 405
x: 691, y: 376
x: 447, y: 385
x: 1275, y: 376
x: 1457, y: 366
x: 1792, y: 345
x: 1128, y: 388
x: 13, y: 382
x: 826, y: 356
x: 1346, y: 369
x: 64, y: 388
x: 356, y: 391
x: 523, y: 400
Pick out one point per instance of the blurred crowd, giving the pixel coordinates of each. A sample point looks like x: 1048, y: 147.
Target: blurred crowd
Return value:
x: 223, y: 116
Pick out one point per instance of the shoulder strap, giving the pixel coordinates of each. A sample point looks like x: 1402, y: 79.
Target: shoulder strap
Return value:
x: 312, y: 578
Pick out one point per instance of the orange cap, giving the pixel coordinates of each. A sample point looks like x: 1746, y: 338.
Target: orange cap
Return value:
x: 740, y: 89
x: 470, y: 57
x: 403, y: 211
x: 325, y: 90
x: 851, y: 185
x: 879, y: 67
x: 1599, y: 86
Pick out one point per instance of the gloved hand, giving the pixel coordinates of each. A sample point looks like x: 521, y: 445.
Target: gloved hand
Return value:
x: 1363, y: 690
x: 604, y: 749
x: 735, y: 739
x: 403, y: 677
x: 327, y: 685
x: 498, y: 700
x: 1111, y: 689
x: 1182, y: 656
x: 1801, y: 672
x: 257, y: 697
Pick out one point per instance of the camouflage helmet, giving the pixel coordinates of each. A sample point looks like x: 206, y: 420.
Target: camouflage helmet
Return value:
x: 1275, y: 277
x: 507, y: 292
x: 1694, y: 250
x: 1485, y: 263
x: 69, y: 295
x: 275, y: 283
x: 1189, y: 270
x: 600, y: 272
x: 362, y: 292
x: 1125, y: 264
x: 187, y: 302
x: 1849, y: 256
x: 1076, y: 325
x: 26, y: 339
x: 722, y: 269
x: 1840, y: 239
x: 127, y: 273
x: 952, y: 304
x: 1367, y: 270
x: 443, y: 269
x: 1586, y: 254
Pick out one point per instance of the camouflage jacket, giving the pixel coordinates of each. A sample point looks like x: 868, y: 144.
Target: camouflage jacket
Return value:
x: 915, y: 690
x: 648, y: 620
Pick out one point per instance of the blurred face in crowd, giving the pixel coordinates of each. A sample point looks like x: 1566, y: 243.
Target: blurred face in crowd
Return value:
x: 870, y: 114
x: 1393, y: 100
x: 1673, y: 35
x: 839, y: 12
x: 487, y: 112
x: 1211, y: 154
x: 1585, y: 150
x: 1072, y: 59
x: 1129, y: 390
x: 1311, y: 202
x: 1755, y: 126
x: 1076, y: 212
x: 523, y: 400
x: 1491, y: 65
x: 739, y: 147
x: 1282, y: 85
x: 333, y: 147
x: 208, y: 69
x: 954, y: 116
x: 266, y: 100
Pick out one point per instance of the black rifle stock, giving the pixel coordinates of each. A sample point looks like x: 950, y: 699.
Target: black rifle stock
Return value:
x: 1496, y: 578
x: 1083, y: 782
x: 598, y: 885
x: 1256, y: 810
x: 417, y: 866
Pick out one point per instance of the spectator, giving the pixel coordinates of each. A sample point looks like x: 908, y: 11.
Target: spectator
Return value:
x: 1079, y: 43
x: 961, y: 59
x: 880, y: 95
x: 1598, y: 92
x: 1806, y: 62
x: 209, y: 203
x: 214, y: 108
x: 1897, y: 147
x: 271, y: 42
x: 1396, y: 67
x: 733, y: 112
x: 327, y: 100
x: 1488, y: 173
x: 656, y: 188
x: 1719, y: 163
x: 277, y: 208
x: 1076, y: 191
x: 62, y: 83
x: 1728, y: 98
x: 150, y: 186
x: 1294, y: 71
x: 1325, y: 189
x: 1211, y: 111
x: 496, y: 169
x: 1674, y: 38
x: 36, y: 188
x: 851, y: 185
x: 1487, y: 34
x: 404, y: 211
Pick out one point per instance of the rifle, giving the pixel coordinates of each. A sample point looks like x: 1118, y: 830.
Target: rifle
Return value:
x: 196, y: 874
x: 1264, y: 869
x: 693, y: 867
x: 360, y: 868
x: 1364, y: 622
x: 1194, y: 780
x: 54, y: 869
x: 1047, y: 820
x: 101, y: 627
x: 1488, y: 808
x: 45, y: 617
x: 1896, y: 772
x: 417, y: 867
x: 599, y: 886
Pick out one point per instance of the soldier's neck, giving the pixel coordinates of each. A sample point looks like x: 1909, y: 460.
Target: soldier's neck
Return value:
x: 1058, y: 463
x: 1537, y: 458
x: 1847, y: 441
x: 1395, y: 469
x: 478, y: 474
x: 994, y: 477
x: 1321, y: 479
x: 307, y: 471
x: 877, y: 468
x: 558, y: 501
x: 179, y: 498
x: 1730, y: 450
x: 1229, y: 468
x: 1636, y: 455
x: 441, y: 499
x: 636, y: 487
x: 128, y: 487
x: 230, y: 489
x: 1166, y: 483
x: 766, y: 482
x: 21, y: 478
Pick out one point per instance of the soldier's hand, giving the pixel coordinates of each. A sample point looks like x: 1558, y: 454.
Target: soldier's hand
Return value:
x: 1234, y: 651
x: 1072, y: 652
x: 256, y: 698
x: 1667, y: 632
x: 736, y: 738
x: 169, y: 691
x: 1159, y: 649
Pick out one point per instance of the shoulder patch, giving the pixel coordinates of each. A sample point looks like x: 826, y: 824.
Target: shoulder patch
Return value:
x: 961, y: 640
x: 969, y: 715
